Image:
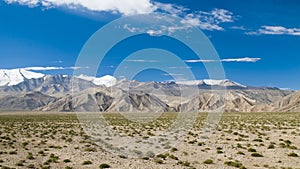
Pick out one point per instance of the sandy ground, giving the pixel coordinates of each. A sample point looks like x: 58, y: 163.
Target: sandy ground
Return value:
x: 242, y: 140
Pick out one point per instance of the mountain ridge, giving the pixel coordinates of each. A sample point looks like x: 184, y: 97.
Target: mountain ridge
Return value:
x: 41, y: 92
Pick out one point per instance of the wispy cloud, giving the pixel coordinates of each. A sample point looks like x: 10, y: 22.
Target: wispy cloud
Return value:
x: 246, y: 59
x: 52, y: 68
x: 141, y: 60
x: 207, y: 20
x: 179, y: 67
x: 201, y: 60
x: 239, y: 28
x: 275, y: 30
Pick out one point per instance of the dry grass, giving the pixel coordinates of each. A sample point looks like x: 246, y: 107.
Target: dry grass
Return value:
x: 242, y: 140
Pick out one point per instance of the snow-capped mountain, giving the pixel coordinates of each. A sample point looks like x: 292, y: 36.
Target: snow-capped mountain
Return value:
x: 26, y: 90
x: 107, y: 80
x: 211, y: 82
x: 11, y: 77
x: 16, y: 76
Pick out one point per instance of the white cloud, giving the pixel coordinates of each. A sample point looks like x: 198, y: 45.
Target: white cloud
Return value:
x: 207, y: 20
x: 126, y: 7
x: 150, y: 61
x: 246, y: 59
x: 170, y: 8
x: 275, y: 30
x: 222, y: 15
x: 204, y: 20
x: 239, y: 28
x: 52, y: 68
x: 201, y: 60
x: 180, y: 67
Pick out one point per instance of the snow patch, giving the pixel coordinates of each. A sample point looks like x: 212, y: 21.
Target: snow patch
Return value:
x: 211, y: 82
x: 16, y: 76
x: 107, y: 80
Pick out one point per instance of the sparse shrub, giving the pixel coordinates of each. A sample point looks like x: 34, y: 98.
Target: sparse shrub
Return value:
x: 240, y: 153
x: 292, y: 147
x: 258, y: 140
x: 208, y: 161
x: 67, y: 160
x: 201, y: 144
x: 220, y: 152
x: 251, y: 150
x: 20, y: 163
x: 234, y: 164
x: 90, y: 149
x: 87, y: 163
x: 256, y: 155
x: 271, y: 146
x: 184, y: 163
x: 46, y: 167
x: 174, y: 149
x: 104, y: 166
x: 173, y: 157
x: 122, y: 156
x: 30, y: 166
x: 293, y: 154
x: 158, y: 161
x: 12, y: 152
x: 163, y: 156
x: 53, y: 158
x: 30, y: 156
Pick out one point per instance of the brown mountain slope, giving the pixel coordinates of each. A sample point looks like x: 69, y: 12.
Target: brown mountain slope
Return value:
x: 290, y: 103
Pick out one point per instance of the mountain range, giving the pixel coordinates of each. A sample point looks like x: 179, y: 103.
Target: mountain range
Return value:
x: 21, y: 89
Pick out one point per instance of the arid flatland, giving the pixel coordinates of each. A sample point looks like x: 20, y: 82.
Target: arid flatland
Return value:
x: 242, y: 140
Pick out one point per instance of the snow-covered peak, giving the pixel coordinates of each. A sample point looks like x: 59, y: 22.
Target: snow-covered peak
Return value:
x: 107, y: 80
x: 212, y: 82
x: 15, y: 76
x: 225, y: 82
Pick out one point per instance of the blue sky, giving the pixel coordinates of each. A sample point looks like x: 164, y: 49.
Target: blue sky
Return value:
x: 258, y: 41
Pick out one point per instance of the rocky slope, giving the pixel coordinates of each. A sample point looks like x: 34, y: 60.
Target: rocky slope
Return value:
x: 34, y: 91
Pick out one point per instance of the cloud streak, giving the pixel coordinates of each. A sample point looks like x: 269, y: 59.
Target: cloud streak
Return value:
x: 246, y: 59
x: 275, y: 30
x: 142, y: 61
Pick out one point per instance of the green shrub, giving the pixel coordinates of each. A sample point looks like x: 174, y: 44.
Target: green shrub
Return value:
x: 20, y: 163
x: 256, y: 155
x: 240, y: 153
x: 234, y: 164
x: 104, y: 166
x: 271, y: 146
x: 30, y: 156
x: 208, y: 161
x: 67, y: 160
x: 293, y: 154
x: 173, y: 157
x: 87, y: 163
x: 251, y: 150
